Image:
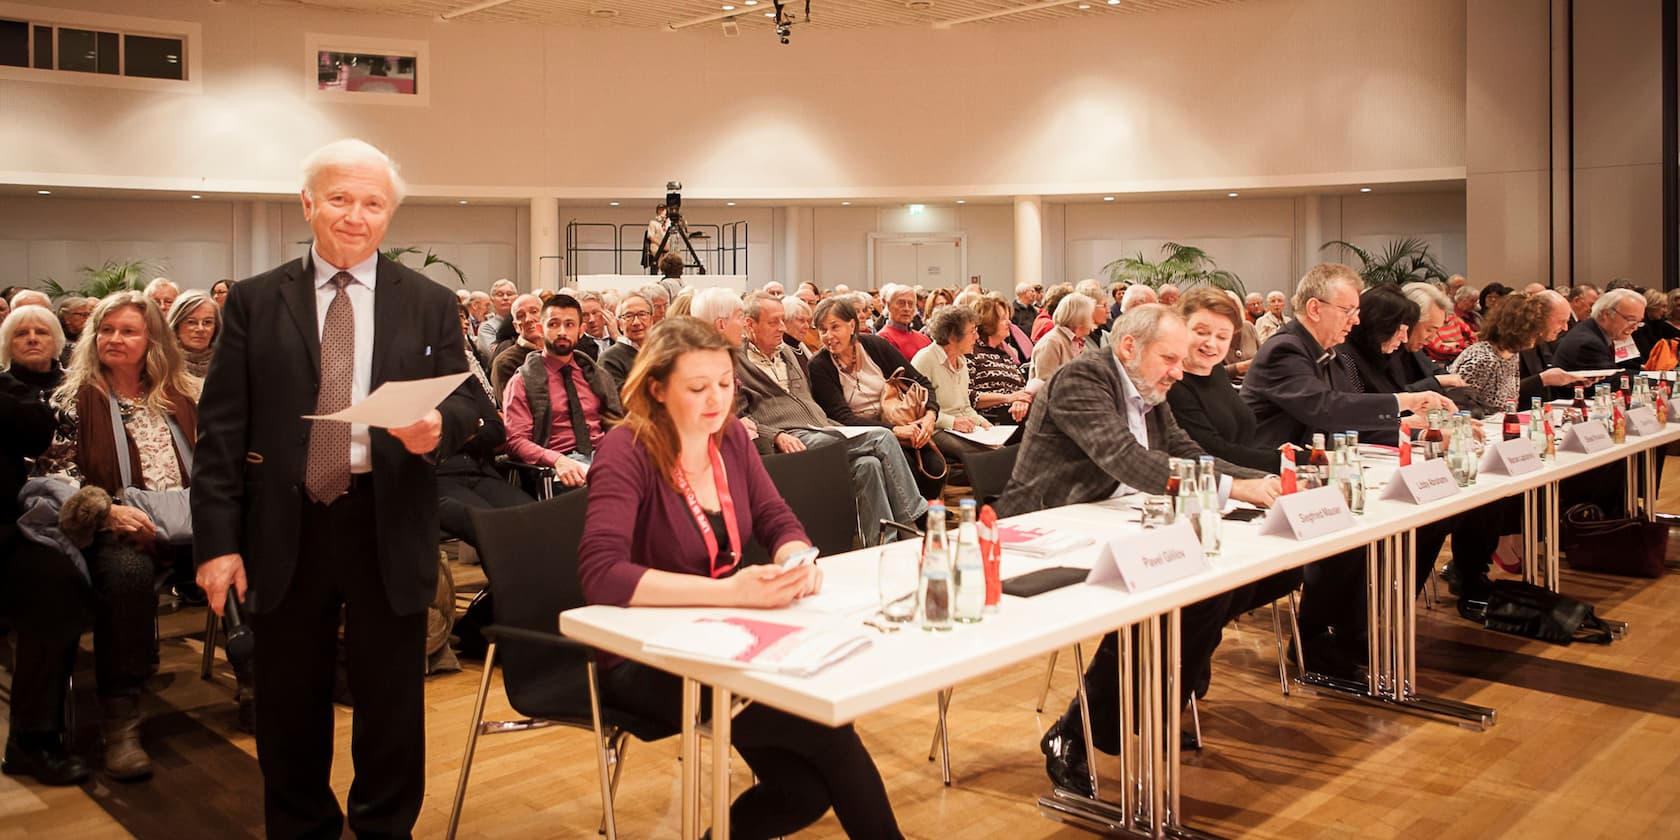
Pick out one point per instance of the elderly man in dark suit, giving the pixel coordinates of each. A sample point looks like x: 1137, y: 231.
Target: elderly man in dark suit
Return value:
x: 1591, y: 344
x: 1539, y: 374
x: 1296, y: 388
x: 307, y: 519
x: 1101, y: 428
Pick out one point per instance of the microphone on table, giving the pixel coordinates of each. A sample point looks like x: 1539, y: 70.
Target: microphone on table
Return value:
x: 241, y: 644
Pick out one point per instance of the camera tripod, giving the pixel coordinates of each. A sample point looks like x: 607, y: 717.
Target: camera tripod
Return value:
x: 674, y: 224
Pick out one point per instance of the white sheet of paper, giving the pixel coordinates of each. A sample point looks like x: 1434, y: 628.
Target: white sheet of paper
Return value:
x: 398, y: 404
x: 995, y: 436
x: 852, y: 431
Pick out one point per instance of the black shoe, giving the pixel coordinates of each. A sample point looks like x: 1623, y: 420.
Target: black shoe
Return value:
x: 190, y: 595
x: 45, y: 758
x: 1326, y: 657
x: 1188, y: 742
x: 1064, y: 760
x: 1473, y: 597
x: 1448, y: 574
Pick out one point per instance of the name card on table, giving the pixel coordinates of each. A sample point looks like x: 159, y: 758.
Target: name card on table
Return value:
x: 1510, y: 457
x: 1156, y: 557
x: 1588, y: 437
x: 1643, y: 421
x: 1308, y: 514
x: 1423, y: 481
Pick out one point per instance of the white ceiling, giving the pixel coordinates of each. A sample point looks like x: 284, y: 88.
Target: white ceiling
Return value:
x: 825, y: 14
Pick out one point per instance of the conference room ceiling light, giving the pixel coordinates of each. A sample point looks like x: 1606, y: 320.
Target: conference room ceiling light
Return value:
x: 1113, y: 2
x: 1231, y: 195
x: 1364, y: 189
x: 845, y: 204
x: 196, y: 196
x: 462, y: 201
x: 43, y: 192
x: 1108, y: 198
x: 1084, y: 7
x: 727, y: 8
x: 612, y: 204
x: 729, y: 203
x: 962, y: 201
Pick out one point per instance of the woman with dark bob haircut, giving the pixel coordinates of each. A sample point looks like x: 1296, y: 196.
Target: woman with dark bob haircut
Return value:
x: 1386, y: 317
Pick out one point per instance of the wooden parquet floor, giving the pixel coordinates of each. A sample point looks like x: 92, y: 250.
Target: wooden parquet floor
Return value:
x: 1587, y: 745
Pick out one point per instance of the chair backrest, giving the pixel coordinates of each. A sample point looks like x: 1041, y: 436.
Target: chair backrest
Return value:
x: 530, y: 556
x: 817, y: 485
x: 989, y: 471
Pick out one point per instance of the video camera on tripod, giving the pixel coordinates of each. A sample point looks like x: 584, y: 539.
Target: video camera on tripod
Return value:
x: 674, y: 224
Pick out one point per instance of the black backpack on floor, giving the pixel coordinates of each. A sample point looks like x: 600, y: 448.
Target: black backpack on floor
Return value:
x: 1523, y: 609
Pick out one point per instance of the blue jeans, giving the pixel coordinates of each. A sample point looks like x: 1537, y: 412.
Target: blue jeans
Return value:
x: 881, y: 478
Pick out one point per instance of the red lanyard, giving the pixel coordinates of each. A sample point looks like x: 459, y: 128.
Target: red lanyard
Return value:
x: 724, y: 501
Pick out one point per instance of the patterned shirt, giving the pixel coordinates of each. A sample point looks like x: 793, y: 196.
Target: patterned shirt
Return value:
x: 992, y: 370
x: 1492, y: 379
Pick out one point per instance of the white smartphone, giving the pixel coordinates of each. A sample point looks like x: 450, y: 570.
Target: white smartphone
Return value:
x: 799, y: 558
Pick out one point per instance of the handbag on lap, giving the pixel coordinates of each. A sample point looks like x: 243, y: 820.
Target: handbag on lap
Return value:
x: 905, y: 401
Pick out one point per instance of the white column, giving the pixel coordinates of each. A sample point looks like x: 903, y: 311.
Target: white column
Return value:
x: 261, y: 257
x: 545, y: 243
x: 1029, y: 239
x: 1312, y: 236
x: 796, y: 251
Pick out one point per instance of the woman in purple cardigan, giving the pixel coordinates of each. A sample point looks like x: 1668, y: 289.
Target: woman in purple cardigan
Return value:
x: 674, y: 493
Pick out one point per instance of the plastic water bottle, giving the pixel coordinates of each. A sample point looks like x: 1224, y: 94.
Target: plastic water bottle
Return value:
x: 1353, y: 474
x: 970, y: 572
x: 1207, y: 486
x: 934, y: 595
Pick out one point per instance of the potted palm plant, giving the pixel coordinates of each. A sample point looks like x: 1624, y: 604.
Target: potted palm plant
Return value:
x: 1402, y: 261
x: 1181, y: 265
x: 99, y: 281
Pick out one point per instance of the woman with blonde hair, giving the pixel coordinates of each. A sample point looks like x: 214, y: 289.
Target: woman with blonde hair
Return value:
x: 128, y: 418
x: 936, y: 299
x: 675, y: 492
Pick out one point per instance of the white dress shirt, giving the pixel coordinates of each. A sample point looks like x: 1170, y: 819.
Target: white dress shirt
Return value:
x: 1135, y: 411
x: 361, y: 306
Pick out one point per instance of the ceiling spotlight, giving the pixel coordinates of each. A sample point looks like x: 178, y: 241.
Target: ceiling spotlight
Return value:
x: 730, y: 203
x: 1231, y: 195
x: 612, y: 204
x: 727, y: 8
x: 752, y: 2
x: 1113, y: 2
x: 196, y: 197
x: 1084, y: 6
x: 43, y: 192
x: 962, y: 201
x: 1364, y: 189
x: 462, y: 201
x: 1108, y: 198
x: 845, y: 204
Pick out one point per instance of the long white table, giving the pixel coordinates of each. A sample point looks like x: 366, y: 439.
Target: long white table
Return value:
x: 908, y: 664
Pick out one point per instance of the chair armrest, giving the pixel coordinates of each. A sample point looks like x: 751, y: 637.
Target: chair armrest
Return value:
x: 907, y: 530
x: 539, y: 470
x: 502, y: 632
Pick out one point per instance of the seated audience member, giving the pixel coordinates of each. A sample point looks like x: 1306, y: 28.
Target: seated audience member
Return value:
x: 502, y: 294
x: 776, y: 396
x: 658, y: 300
x: 196, y: 320
x: 774, y: 289
x: 162, y: 292
x: 1296, y: 386
x: 671, y: 273
x: 598, y: 334
x: 809, y: 293
x: 681, y: 304
x: 677, y: 493
x: 848, y: 379
x: 1046, y: 320
x: 903, y: 324
x: 73, y: 313
x: 1117, y: 296
x: 1457, y: 331
x: 945, y: 363
x: 1203, y: 402
x: 1244, y: 344
x: 997, y: 385
x: 1168, y: 295
x: 1492, y: 367
x: 935, y: 299
x: 799, y: 336
x: 1099, y: 325
x: 635, y: 316
x: 469, y: 478
x: 41, y: 593
x: 1094, y: 290
x: 527, y: 321
x: 1268, y: 324
x: 1385, y: 318
x: 1490, y: 296
x: 1063, y: 344
x: 5, y: 307
x: 133, y: 361
x: 1137, y: 294
x: 1656, y: 326
x: 1024, y: 310
x: 1581, y: 300
x: 1254, y: 306
x: 478, y: 309
x: 862, y: 302
x: 1538, y: 372
x: 1100, y: 430
x: 1410, y: 367
x: 559, y: 404
x: 1591, y: 344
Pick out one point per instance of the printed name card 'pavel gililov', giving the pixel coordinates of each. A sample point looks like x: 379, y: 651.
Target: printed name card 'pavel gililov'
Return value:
x: 1153, y: 558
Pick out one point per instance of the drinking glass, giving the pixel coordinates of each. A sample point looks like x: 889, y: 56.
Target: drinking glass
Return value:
x: 898, y: 571
x: 1157, y: 511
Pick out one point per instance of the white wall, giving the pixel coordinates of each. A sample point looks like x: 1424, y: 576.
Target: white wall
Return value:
x: 1276, y: 93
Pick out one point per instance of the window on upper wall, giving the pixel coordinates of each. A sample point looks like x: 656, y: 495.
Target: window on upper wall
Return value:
x: 91, y: 48
x: 367, y: 71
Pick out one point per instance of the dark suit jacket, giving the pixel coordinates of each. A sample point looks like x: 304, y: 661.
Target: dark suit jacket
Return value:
x: 617, y: 361
x: 1532, y: 362
x: 1078, y: 448
x: 247, y: 487
x: 1585, y: 347
x: 825, y: 381
x: 1295, y: 391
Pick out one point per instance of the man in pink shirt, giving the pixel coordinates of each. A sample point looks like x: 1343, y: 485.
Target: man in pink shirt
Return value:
x: 901, y: 312
x: 559, y: 403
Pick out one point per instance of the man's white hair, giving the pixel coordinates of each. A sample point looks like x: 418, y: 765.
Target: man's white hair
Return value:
x: 1023, y: 287
x: 892, y: 290
x: 1090, y: 288
x: 1276, y: 295
x: 478, y: 295
x: 31, y: 297
x: 504, y: 282
x: 158, y: 283
x: 1610, y: 299
x: 715, y: 303
x: 350, y: 152
x: 1425, y: 295
x: 1136, y: 295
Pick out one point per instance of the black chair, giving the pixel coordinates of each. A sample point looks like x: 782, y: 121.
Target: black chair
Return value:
x: 817, y: 486
x: 534, y: 479
x: 530, y: 558
x: 989, y: 471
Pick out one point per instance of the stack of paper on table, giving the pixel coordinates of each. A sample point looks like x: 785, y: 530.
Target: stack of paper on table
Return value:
x: 762, y: 645
x: 1040, y: 542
